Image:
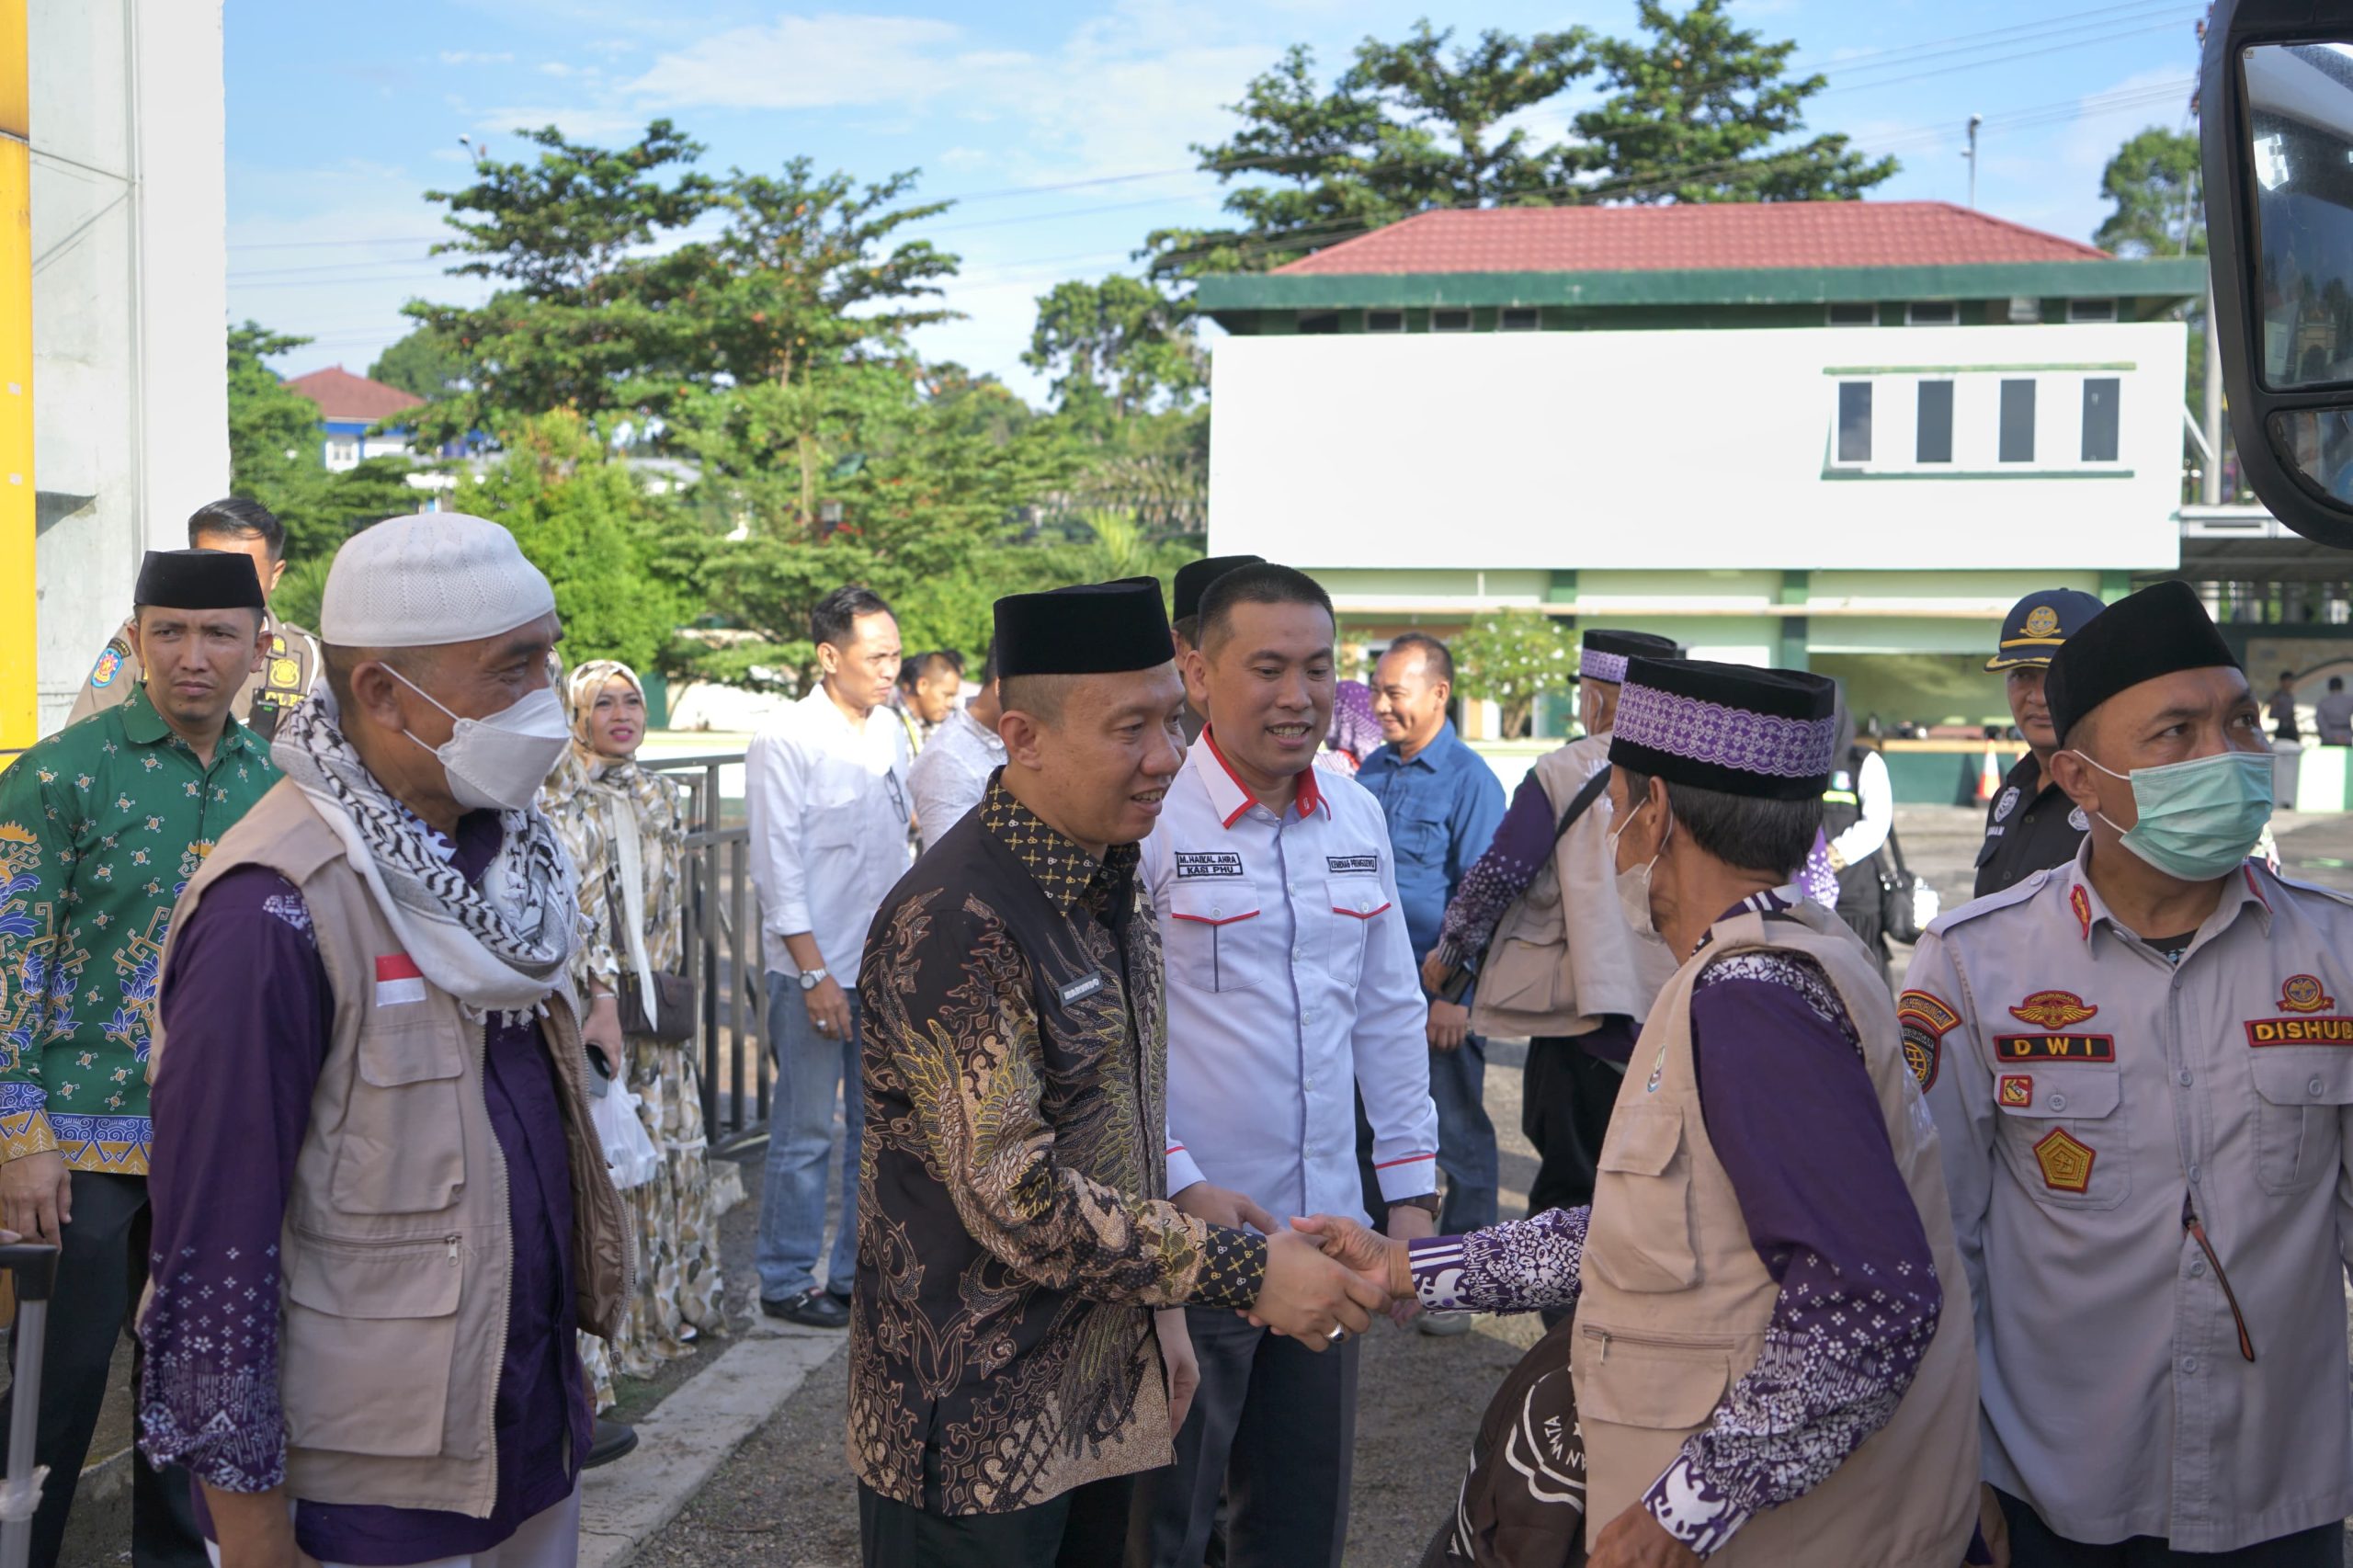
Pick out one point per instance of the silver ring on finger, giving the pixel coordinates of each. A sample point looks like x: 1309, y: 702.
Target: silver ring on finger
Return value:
x: 1339, y: 1333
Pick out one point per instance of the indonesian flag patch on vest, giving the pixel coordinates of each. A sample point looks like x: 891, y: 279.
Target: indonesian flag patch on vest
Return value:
x: 398, y: 980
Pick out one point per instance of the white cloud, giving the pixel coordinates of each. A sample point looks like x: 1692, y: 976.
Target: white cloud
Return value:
x: 580, y: 123
x: 473, y: 57
x: 828, y: 60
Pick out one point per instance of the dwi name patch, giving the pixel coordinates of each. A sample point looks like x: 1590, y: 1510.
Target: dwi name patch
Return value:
x: 2054, y: 1047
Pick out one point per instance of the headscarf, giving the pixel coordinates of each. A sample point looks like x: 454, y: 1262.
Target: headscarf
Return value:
x: 580, y: 694
x: 1354, y: 729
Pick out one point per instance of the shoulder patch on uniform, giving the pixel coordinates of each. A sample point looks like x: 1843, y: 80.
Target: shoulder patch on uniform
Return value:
x: 2006, y: 804
x: 1929, y: 1008
x: 1927, y: 1020
x: 109, y: 662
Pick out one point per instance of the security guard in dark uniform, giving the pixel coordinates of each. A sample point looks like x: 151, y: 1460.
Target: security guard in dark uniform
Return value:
x: 246, y: 528
x: 2031, y: 825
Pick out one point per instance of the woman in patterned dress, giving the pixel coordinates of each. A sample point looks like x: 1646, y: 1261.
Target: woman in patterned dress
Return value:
x: 596, y: 795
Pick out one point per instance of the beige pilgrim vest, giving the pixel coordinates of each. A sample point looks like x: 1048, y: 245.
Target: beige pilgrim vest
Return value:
x: 1674, y: 1301
x: 397, y: 1256
x: 1562, y: 955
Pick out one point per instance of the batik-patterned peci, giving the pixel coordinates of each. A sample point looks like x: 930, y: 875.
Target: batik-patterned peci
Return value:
x: 1013, y: 1227
x: 101, y: 826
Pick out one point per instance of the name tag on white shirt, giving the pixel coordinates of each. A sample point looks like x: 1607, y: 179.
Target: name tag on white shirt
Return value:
x: 1193, y: 863
x: 1352, y: 865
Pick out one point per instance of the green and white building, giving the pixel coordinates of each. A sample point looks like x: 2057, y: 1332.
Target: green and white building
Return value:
x: 1844, y: 437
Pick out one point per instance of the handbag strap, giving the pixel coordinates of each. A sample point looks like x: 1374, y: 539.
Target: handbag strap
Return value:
x: 630, y: 855
x: 1579, y: 803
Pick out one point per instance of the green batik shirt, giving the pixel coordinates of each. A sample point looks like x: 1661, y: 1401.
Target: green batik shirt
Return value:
x: 101, y: 826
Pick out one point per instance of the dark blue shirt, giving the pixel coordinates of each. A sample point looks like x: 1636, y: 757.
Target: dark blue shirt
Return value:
x: 1442, y: 807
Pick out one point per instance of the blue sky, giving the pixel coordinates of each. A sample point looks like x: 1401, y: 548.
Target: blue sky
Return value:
x: 335, y: 132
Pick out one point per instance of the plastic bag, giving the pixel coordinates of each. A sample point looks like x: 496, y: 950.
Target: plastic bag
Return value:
x: 630, y: 1154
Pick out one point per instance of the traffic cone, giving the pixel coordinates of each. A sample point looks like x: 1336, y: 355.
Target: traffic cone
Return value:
x: 1989, y: 778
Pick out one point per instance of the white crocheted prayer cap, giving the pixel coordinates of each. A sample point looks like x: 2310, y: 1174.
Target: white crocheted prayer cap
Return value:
x: 433, y: 578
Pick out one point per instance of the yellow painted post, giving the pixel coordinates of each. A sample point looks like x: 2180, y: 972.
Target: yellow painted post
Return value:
x: 18, y: 683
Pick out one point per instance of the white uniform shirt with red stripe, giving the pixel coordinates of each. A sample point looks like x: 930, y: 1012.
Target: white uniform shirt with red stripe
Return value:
x: 1290, y: 984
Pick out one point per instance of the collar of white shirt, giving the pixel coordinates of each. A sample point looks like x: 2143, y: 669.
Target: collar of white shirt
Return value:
x: 2240, y: 889
x: 1231, y: 797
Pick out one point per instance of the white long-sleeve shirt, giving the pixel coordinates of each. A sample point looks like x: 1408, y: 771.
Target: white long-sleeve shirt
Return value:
x: 1290, y: 984
x: 1875, y: 797
x: 827, y: 807
x: 951, y: 773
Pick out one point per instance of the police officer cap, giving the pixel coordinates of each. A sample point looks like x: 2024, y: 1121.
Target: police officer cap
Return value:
x: 2038, y: 623
x: 1090, y: 628
x: 1193, y: 578
x: 2154, y: 633
x: 199, y: 579
x: 1602, y: 655
x: 1730, y: 728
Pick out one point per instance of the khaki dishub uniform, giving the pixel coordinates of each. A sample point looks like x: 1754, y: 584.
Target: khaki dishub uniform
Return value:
x: 283, y: 681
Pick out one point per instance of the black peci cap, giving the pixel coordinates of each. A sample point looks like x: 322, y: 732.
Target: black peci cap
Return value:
x: 1730, y: 728
x: 1089, y: 629
x: 2154, y: 633
x: 1602, y: 654
x: 1193, y: 578
x: 199, y: 579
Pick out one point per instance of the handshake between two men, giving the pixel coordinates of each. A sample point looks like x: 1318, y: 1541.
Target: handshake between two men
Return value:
x: 1326, y: 1275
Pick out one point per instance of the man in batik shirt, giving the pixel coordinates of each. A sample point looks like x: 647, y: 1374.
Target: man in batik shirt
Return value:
x: 101, y: 826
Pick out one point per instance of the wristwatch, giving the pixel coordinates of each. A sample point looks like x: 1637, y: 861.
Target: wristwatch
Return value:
x: 810, y: 977
x: 1426, y: 1202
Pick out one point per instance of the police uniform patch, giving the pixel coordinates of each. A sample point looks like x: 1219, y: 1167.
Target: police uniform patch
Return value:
x: 2304, y: 993
x: 2017, y: 1090
x: 2067, y: 1163
x: 2054, y: 1047
x: 109, y: 662
x: 2053, y: 1010
x: 2079, y: 821
x: 2081, y: 903
x: 285, y: 675
x: 2041, y: 622
x: 1927, y: 1020
x: 2006, y: 804
x: 2334, y: 1029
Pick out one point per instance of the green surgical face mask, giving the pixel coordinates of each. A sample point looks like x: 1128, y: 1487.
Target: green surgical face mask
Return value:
x: 2198, y: 818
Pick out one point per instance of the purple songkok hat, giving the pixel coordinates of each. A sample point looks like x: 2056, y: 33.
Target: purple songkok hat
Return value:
x: 1730, y: 728
x: 1602, y: 655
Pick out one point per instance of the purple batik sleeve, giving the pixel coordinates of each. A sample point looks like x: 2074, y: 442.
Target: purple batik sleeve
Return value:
x: 1525, y: 1266
x: 1501, y: 874
x: 246, y: 1014
x: 1796, y: 1124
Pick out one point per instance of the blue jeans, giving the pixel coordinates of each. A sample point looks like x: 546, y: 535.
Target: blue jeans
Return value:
x: 808, y: 1070
x: 1466, y: 1139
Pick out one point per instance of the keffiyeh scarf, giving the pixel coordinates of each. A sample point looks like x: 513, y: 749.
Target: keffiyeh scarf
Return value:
x: 499, y: 945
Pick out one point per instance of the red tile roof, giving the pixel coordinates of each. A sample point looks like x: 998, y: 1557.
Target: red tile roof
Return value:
x: 342, y: 395
x: 1707, y: 237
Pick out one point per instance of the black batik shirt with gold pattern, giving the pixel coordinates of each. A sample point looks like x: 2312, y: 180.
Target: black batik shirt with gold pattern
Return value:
x: 1013, y: 1223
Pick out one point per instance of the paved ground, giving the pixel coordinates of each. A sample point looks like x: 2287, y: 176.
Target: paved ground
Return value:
x: 784, y: 1499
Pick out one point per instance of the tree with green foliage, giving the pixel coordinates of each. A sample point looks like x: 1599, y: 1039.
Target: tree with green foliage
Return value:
x: 1703, y: 111
x: 2152, y: 185
x: 423, y: 364
x: 1510, y: 657
x: 276, y: 457
x: 1116, y: 349
x: 1698, y: 110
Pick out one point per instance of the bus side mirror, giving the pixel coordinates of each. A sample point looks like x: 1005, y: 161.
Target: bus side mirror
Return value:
x: 2275, y: 124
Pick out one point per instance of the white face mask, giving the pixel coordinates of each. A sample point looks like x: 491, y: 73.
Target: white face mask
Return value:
x: 499, y: 763
x: 1634, y: 882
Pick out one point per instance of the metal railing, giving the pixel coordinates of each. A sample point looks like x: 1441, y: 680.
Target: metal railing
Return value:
x: 722, y: 915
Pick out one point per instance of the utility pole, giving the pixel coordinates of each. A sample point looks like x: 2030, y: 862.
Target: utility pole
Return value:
x: 1974, y: 122
x: 2210, y: 482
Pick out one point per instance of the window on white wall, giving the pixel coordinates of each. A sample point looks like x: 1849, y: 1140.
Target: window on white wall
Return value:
x: 343, y: 451
x: 1854, y: 314
x: 1384, y: 321
x: 1932, y: 428
x: 1517, y: 318
x: 1451, y: 321
x: 2100, y: 421
x: 2016, y: 429
x: 1932, y: 313
x: 2091, y: 310
x: 1854, y: 421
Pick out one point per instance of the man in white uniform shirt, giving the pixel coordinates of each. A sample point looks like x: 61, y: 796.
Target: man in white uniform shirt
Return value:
x: 825, y: 798
x: 1291, y: 986
x: 951, y: 773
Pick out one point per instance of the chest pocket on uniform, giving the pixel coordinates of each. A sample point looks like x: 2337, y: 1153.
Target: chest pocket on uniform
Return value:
x: 1357, y: 901
x: 1215, y: 940
x: 2064, y: 1133
x: 1641, y: 1225
x: 2301, y: 1091
x: 402, y: 1147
